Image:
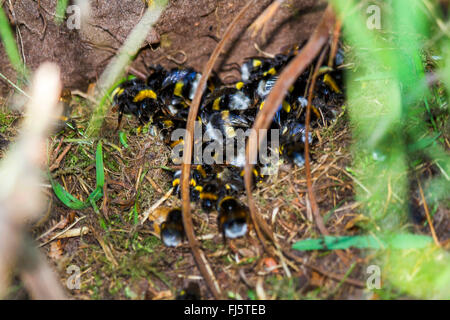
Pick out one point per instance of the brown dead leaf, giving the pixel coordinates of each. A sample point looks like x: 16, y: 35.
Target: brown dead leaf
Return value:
x: 163, y: 295
x: 91, y: 89
x: 63, y: 222
x: 271, y: 265
x: 247, y: 253
x: 56, y: 250
x: 316, y: 279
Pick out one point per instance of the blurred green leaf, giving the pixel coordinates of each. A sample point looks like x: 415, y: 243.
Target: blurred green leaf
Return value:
x: 60, y: 13
x: 398, y: 241
x: 9, y: 43
x: 123, y: 139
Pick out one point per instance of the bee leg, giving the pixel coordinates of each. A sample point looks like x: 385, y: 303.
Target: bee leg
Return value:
x: 119, y: 120
x: 224, y: 238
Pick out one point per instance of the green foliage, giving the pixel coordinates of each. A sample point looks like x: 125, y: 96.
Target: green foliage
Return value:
x: 396, y: 241
x: 61, y: 7
x: 123, y: 139
x: 388, y: 98
x: 9, y: 43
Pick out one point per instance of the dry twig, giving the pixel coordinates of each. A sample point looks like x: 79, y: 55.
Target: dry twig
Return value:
x: 265, y: 116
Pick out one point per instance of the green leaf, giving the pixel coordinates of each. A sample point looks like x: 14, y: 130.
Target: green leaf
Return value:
x: 9, y: 43
x: 123, y: 139
x: 66, y: 198
x: 99, y: 166
x: 398, y: 241
x: 61, y: 7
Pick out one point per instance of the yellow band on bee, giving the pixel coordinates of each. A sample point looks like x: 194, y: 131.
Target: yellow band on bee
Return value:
x: 175, y: 143
x: 178, y: 91
x: 286, y: 106
x: 144, y: 94
x: 208, y: 196
x: 168, y: 123
x: 175, y: 182
x: 329, y: 81
x: 239, y: 85
x: 256, y: 63
x: 201, y: 170
x: 117, y: 91
x: 216, y: 104
x: 271, y: 71
x: 225, y: 198
x: 316, y: 112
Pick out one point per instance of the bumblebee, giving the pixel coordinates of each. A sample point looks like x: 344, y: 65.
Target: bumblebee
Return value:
x: 257, y: 176
x: 256, y: 68
x: 172, y: 230
x: 209, y: 196
x: 250, y: 69
x: 233, y: 218
x: 180, y: 83
x: 136, y: 98
x: 229, y: 99
x: 294, y: 151
x: 156, y: 78
x: 195, y: 187
x: 191, y: 292
x: 220, y: 125
x: 177, y: 108
x: 293, y: 131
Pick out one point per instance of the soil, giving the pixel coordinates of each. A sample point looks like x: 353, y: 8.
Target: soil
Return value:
x: 189, y: 27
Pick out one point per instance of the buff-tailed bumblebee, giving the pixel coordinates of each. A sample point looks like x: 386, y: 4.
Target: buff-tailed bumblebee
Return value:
x: 172, y: 230
x: 233, y: 218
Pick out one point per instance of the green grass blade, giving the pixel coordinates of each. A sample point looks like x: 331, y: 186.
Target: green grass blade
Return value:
x: 398, y: 241
x: 100, y: 171
x: 9, y: 43
x: 65, y: 197
x: 123, y: 139
x: 60, y: 13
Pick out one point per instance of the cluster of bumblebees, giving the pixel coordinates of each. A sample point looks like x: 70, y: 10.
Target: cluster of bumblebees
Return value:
x: 164, y: 99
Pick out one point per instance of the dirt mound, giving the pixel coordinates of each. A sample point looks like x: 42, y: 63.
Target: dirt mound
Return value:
x: 187, y: 32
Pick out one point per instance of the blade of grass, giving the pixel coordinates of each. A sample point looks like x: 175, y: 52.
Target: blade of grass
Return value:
x: 60, y: 13
x: 9, y: 43
x: 100, y: 171
x: 123, y: 139
x: 397, y: 241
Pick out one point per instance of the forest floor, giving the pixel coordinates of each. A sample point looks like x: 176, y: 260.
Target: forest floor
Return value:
x: 119, y: 258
